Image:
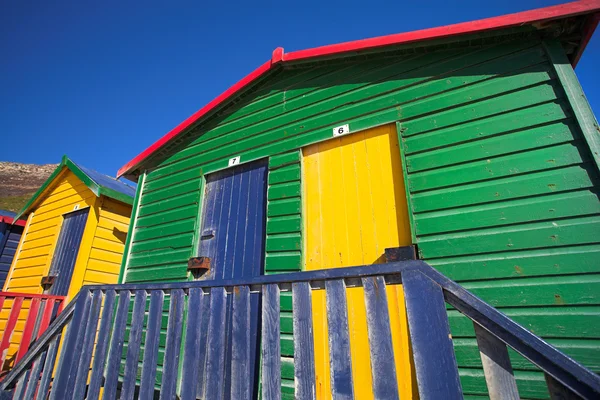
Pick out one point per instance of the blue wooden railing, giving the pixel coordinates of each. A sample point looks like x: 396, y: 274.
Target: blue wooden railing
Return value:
x: 95, y: 324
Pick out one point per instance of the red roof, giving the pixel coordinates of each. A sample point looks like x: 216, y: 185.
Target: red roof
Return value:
x: 9, y: 220
x: 279, y: 57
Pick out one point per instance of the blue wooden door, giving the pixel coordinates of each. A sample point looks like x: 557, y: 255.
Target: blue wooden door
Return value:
x: 9, y: 241
x: 233, y: 236
x: 65, y: 253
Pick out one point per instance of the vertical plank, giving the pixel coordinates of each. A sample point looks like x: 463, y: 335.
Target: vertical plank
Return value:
x: 10, y: 327
x: 34, y: 379
x: 339, y: 340
x: 498, y: 372
x: 133, y: 345
x: 42, y: 392
x: 383, y: 366
x: 271, y: 353
x: 85, y: 355
x: 116, y: 346
x: 435, y: 363
x: 21, y: 385
x: 558, y: 391
x: 148, y: 379
x: 64, y: 379
x: 191, y: 346
x: 102, y: 345
x: 47, y: 309
x: 173, y: 346
x: 28, y: 329
x: 241, y: 382
x: 215, y: 358
x: 304, y: 348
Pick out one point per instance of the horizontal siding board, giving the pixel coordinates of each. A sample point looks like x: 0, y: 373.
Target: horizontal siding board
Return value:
x: 509, y: 212
x: 284, y: 190
x: 563, y: 232
x: 284, y: 242
x: 548, y: 321
x: 284, y: 207
x: 284, y: 224
x: 549, y: 112
x: 497, y: 167
x: 512, y: 187
x: 283, y: 160
x: 519, y: 141
x: 525, y: 263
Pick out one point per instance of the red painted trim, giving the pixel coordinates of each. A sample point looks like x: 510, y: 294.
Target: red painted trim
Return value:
x: 9, y: 329
x: 9, y: 220
x: 257, y: 73
x: 588, y: 31
x: 46, y: 316
x: 28, y: 329
x: 279, y: 57
x: 13, y: 295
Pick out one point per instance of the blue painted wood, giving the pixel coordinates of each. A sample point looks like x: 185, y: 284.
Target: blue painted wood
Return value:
x: 71, y: 349
x: 558, y: 391
x: 168, y: 385
x: 271, y: 353
x: 383, y: 367
x: 339, y: 340
x: 9, y: 241
x: 241, y: 386
x: 390, y: 269
x: 85, y: 356
x: 34, y: 379
x: 232, y: 235
x: 193, y: 344
x: 433, y: 353
x: 102, y: 345
x: 66, y: 250
x: 116, y: 346
x: 304, y: 349
x: 21, y: 386
x: 215, y: 358
x: 148, y: 379
x: 48, y: 369
x: 204, y: 321
x: 133, y: 346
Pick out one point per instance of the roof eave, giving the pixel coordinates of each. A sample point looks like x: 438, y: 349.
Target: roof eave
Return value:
x: 567, y: 10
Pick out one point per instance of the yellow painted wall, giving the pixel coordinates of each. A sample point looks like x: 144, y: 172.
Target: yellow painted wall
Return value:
x: 99, y: 255
x: 355, y: 207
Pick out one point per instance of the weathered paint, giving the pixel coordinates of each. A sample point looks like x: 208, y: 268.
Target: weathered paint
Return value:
x: 99, y: 253
x: 233, y: 236
x: 502, y: 188
x: 355, y: 209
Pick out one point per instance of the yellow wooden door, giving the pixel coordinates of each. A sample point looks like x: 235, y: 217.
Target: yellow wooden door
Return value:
x: 355, y: 207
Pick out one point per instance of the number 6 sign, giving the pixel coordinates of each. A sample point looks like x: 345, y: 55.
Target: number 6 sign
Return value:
x: 341, y: 130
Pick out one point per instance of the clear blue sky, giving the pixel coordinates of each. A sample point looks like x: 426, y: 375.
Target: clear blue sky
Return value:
x: 101, y: 81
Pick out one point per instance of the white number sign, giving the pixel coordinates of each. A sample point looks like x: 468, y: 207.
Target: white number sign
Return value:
x: 234, y: 161
x: 341, y: 130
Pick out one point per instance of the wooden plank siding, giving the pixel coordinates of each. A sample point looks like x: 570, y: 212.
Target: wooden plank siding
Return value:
x: 497, y: 172
x: 100, y: 251
x: 284, y: 247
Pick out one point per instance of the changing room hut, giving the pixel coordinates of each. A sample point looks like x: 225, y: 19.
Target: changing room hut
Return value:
x: 75, y: 235
x: 472, y: 144
x: 10, y: 234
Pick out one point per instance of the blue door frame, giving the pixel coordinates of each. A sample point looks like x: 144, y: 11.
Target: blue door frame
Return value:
x: 233, y: 237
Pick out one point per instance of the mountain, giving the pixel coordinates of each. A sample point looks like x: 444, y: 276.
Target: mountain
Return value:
x: 18, y: 182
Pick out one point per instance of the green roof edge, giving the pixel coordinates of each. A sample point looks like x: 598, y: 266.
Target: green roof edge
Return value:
x: 78, y: 172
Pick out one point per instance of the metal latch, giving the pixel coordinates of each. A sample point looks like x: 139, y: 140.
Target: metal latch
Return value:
x: 199, y: 266
x: 47, y: 281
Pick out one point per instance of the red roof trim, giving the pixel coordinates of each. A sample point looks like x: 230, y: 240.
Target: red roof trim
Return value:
x: 279, y: 57
x: 9, y: 220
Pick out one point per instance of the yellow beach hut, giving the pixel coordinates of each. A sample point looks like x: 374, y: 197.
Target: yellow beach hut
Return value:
x: 75, y: 233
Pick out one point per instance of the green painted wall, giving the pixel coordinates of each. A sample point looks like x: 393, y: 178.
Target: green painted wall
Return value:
x: 503, y: 187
